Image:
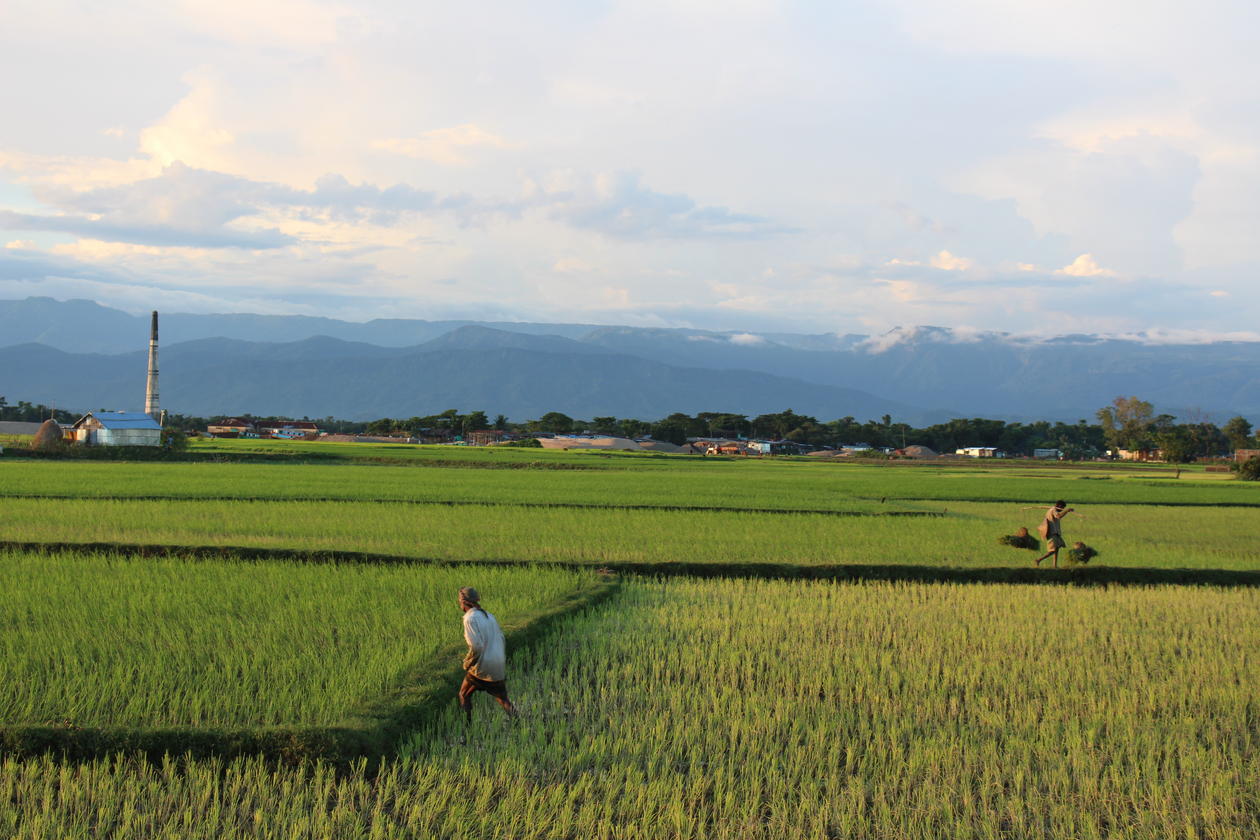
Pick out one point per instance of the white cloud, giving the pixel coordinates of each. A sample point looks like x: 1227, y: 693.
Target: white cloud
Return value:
x: 447, y: 146
x: 191, y: 132
x: 572, y: 265
x: 21, y: 245
x: 1085, y: 266
x: 747, y: 339
x: 949, y: 262
x: 292, y: 24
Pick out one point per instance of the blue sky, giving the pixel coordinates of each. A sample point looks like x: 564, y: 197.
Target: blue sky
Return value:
x: 1034, y: 167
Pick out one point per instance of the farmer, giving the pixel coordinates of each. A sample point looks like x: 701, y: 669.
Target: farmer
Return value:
x: 1052, y: 531
x: 486, y: 663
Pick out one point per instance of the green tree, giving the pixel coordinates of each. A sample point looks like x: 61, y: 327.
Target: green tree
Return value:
x: 628, y: 427
x: 1176, y: 442
x: 1249, y: 470
x: 1238, y: 432
x: 474, y: 421
x: 381, y: 427
x: 1127, y: 423
x: 672, y: 428
x: 556, y: 422
x: 605, y: 425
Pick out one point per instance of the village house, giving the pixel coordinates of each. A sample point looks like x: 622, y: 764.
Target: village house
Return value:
x: 485, y: 437
x: 117, y: 428
x: 232, y: 427
x: 980, y: 452
x: 289, y: 429
x: 1140, y: 454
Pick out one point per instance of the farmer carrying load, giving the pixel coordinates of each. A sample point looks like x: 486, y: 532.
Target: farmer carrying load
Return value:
x: 485, y: 666
x: 1052, y: 531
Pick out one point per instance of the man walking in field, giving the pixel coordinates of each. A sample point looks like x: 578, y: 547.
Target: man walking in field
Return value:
x: 1052, y: 531
x: 485, y: 666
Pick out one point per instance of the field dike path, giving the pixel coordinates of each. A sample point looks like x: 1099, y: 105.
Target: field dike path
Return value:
x: 66, y: 497
x: 1100, y: 575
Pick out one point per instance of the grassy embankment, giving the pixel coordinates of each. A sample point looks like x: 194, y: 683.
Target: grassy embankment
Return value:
x: 754, y: 709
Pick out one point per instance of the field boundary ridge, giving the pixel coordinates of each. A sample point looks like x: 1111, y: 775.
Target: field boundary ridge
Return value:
x: 1095, y: 575
x: 66, y: 497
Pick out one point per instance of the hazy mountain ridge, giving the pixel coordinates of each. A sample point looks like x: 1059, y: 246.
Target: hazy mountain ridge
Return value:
x: 521, y: 382
x: 979, y: 373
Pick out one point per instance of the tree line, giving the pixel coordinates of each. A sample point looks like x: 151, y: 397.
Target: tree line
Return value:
x: 1127, y: 423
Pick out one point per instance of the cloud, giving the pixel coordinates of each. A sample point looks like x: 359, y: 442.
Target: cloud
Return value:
x: 191, y: 132
x: 948, y: 262
x: 444, y: 145
x: 1122, y: 199
x: 572, y: 265
x: 618, y: 206
x: 1085, y: 266
x: 160, y: 235
x: 187, y: 207
x: 747, y: 339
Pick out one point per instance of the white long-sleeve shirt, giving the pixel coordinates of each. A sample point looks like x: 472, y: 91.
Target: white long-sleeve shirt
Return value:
x: 485, y: 643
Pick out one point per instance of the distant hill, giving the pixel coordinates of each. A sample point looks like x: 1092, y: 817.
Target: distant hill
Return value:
x: 523, y: 382
x: 935, y: 369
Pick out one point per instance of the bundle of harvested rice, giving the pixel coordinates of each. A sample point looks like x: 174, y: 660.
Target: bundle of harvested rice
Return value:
x: 1080, y: 554
x: 1020, y: 539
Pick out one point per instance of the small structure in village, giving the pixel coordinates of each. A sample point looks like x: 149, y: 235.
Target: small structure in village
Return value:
x: 243, y: 427
x: 980, y: 452
x: 233, y: 427
x: 117, y: 428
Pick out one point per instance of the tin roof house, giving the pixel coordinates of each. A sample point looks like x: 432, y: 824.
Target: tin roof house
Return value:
x: 117, y: 428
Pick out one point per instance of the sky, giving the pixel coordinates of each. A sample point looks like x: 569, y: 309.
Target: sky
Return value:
x: 1042, y: 166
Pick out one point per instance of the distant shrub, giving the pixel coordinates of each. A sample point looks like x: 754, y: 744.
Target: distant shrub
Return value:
x: 525, y: 443
x: 1248, y: 470
x: 174, y: 439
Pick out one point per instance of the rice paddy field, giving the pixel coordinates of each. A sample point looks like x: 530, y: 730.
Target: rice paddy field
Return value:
x: 752, y: 702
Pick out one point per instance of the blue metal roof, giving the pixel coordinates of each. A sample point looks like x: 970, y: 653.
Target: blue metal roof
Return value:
x: 124, y: 419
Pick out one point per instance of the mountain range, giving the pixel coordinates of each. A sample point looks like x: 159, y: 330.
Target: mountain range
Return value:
x: 84, y: 355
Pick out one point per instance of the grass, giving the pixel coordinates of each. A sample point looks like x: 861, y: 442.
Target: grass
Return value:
x: 751, y: 710
x: 109, y: 641
x: 1137, y: 536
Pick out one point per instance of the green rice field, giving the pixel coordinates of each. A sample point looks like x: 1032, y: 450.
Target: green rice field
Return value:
x: 99, y: 640
x: 754, y: 709
x: 653, y: 705
x: 961, y: 534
